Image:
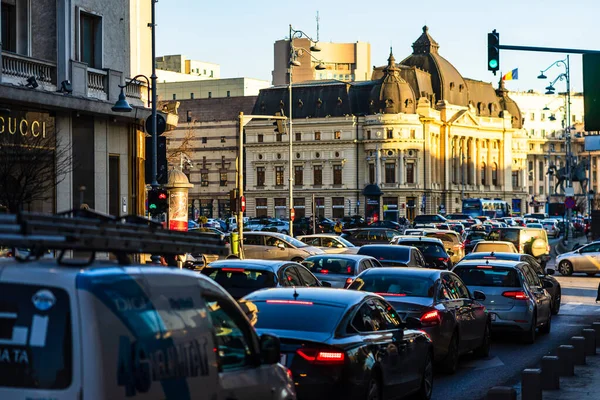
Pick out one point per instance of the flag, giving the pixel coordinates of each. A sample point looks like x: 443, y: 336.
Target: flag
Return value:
x: 512, y: 75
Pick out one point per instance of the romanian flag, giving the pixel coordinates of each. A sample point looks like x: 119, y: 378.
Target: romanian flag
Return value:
x: 512, y: 75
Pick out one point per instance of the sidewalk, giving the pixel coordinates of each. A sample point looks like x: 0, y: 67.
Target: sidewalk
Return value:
x: 560, y: 248
x: 584, y: 385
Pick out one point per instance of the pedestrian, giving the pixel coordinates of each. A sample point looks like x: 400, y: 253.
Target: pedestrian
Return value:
x: 338, y: 227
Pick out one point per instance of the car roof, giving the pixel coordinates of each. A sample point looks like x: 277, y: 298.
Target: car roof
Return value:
x: 504, y: 242
x: 341, y: 297
x: 385, y: 246
x: 421, y: 272
x: 492, y: 263
x: 415, y: 238
x: 272, y: 265
x: 342, y: 256
x: 316, y: 235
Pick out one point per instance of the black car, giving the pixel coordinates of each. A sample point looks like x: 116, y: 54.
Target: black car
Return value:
x: 453, y: 317
x: 425, y: 220
x: 390, y: 255
x: 386, y: 224
x: 242, y: 277
x: 360, y: 236
x: 432, y: 249
x: 551, y: 284
x: 346, y: 344
x: 355, y: 221
x: 474, y: 237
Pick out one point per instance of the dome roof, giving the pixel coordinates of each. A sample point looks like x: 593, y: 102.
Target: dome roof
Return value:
x: 392, y: 94
x: 508, y: 104
x: 177, y: 179
x: 448, y: 84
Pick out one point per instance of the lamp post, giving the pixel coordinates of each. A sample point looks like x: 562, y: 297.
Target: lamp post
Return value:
x: 550, y: 90
x: 293, y: 62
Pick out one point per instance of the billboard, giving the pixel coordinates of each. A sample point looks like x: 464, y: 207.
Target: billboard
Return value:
x: 592, y: 143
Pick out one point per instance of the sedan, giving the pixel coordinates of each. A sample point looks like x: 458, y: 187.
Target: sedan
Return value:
x: 390, y: 255
x: 515, y: 296
x: 362, y: 236
x: 329, y: 243
x: 454, y: 319
x: 386, y: 224
x: 242, y: 277
x: 339, y: 270
x: 585, y: 259
x: 346, y: 344
x: 432, y: 249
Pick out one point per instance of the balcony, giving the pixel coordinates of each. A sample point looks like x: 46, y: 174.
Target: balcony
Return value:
x: 16, y: 69
x: 97, y: 84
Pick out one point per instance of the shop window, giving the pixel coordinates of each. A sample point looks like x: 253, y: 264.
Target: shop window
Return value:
x: 261, y: 208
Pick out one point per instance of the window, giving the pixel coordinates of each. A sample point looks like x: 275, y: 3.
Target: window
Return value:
x: 8, y: 24
x: 337, y: 174
x: 192, y: 95
x: 515, y: 179
x: 319, y: 207
x: 494, y: 174
x: 298, y: 136
x: 228, y: 93
x: 447, y: 289
x: 543, y: 117
x: 298, y: 175
x: 543, y: 131
x: 300, y: 207
x: 279, y: 137
x: 261, y: 209
x: 317, y: 135
x: 174, y: 96
x: 260, y: 176
x: 204, y: 140
x: 223, y: 178
x: 209, y: 95
x: 532, y: 116
x: 390, y: 173
x: 373, y: 316
x: 410, y: 173
x: 222, y: 139
x: 413, y: 134
x: 337, y: 206
x: 371, y: 173
x: 260, y: 137
x: 204, y: 179
x: 308, y: 278
x: 188, y: 116
x: 390, y: 134
x: 90, y: 40
x: 279, y: 176
x: 368, y: 134
x: 462, y: 290
x: 317, y: 175
x: 337, y: 135
x: 232, y: 334
x: 541, y: 170
x: 483, y: 173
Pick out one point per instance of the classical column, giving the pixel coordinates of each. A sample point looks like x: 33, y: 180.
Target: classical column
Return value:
x: 456, y: 160
x: 488, y: 165
x: 400, y: 167
x: 472, y: 162
x: 463, y: 162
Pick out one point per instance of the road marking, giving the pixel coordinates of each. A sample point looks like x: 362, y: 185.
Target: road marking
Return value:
x: 483, y: 364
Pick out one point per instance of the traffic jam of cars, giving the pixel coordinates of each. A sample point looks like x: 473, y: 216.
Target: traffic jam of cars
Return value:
x: 370, y: 312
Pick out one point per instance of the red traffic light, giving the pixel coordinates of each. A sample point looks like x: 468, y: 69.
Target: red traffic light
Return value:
x: 162, y: 196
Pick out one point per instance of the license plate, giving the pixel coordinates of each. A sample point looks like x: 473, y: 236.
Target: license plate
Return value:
x: 492, y: 316
x: 283, y: 359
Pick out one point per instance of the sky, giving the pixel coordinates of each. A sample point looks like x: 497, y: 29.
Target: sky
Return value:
x: 239, y: 34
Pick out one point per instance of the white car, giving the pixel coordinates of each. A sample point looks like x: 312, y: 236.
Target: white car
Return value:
x: 551, y: 227
x: 329, y: 243
x: 277, y: 226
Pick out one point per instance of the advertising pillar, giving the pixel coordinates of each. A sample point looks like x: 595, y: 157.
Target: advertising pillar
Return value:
x: 178, y: 186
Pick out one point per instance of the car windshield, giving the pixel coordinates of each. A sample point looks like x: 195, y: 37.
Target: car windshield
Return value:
x: 330, y: 265
x: 394, y: 284
x: 240, y: 281
x: 486, y: 275
x: 427, y: 248
x: 304, y: 316
x: 294, y: 242
x: 345, y: 242
x: 395, y: 253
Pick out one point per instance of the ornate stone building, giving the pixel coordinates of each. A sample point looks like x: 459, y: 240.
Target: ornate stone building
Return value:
x: 415, y: 139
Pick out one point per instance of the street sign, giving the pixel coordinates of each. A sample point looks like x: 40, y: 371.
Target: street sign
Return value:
x: 292, y: 214
x: 569, y: 192
x: 570, y: 202
x: 161, y: 124
x: 243, y: 203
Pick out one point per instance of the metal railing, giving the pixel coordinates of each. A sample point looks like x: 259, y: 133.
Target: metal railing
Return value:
x: 22, y: 67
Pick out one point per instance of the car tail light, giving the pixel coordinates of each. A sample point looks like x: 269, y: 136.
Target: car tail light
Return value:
x: 349, y: 281
x: 324, y: 271
x: 431, y: 318
x: 325, y: 356
x: 548, y: 248
x: 445, y: 259
x: 485, y: 267
x: 517, y: 295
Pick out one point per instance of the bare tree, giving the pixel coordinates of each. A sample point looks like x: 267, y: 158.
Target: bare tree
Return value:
x: 184, y: 146
x: 30, y: 168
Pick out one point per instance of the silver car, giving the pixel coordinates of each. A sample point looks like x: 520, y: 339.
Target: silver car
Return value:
x: 329, y: 243
x: 585, y: 259
x: 339, y: 270
x: 276, y: 246
x: 515, y: 296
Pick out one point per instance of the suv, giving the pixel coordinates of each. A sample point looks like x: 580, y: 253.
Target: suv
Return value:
x: 428, y: 220
x: 276, y: 246
x: 119, y: 329
x: 533, y: 241
x: 433, y: 250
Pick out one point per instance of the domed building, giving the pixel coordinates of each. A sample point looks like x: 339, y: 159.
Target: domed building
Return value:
x: 418, y: 138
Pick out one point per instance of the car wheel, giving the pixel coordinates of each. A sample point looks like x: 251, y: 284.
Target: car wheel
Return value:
x: 565, y: 268
x: 426, y: 388
x: 375, y: 389
x: 297, y: 259
x: 484, y: 349
x: 556, y: 303
x: 544, y: 330
x: 529, y: 336
x: 450, y: 363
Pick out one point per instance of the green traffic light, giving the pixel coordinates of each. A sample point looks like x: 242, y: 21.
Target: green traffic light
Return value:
x: 153, y: 206
x: 493, y: 63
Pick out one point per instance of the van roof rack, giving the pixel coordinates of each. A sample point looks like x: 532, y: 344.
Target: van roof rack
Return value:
x: 91, y: 231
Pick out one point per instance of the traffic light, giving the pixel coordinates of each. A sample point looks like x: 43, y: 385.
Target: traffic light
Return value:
x: 158, y: 201
x: 493, y: 51
x: 278, y: 124
x: 233, y: 200
x: 162, y: 173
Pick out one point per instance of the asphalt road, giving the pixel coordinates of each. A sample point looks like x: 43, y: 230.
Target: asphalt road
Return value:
x: 508, y: 357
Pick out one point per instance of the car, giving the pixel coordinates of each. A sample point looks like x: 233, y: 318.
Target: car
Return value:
x: 394, y: 255
x: 242, y: 277
x: 453, y: 317
x: 536, y: 225
x: 386, y: 224
x: 550, y: 283
x: 339, y: 270
x: 346, y: 344
x: 485, y: 246
x: 360, y: 236
x: 452, y: 241
x: 433, y: 250
x: 473, y: 237
x: 456, y: 227
x: 424, y: 220
x: 414, y: 232
x: 329, y: 243
x: 533, y: 241
x: 277, y: 226
x: 276, y: 246
x: 584, y: 259
x: 539, y: 216
x: 551, y: 227
x: 457, y: 217
x: 355, y: 221
x: 515, y: 296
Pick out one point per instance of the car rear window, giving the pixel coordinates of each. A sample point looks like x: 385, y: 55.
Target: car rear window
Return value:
x: 477, y: 235
x: 397, y: 253
x: 427, y: 248
x: 329, y: 265
x: 489, y: 247
x: 297, y: 315
x: 392, y: 284
x: 488, y: 276
x: 509, y: 235
x: 35, y: 337
x: 240, y: 281
x: 444, y: 237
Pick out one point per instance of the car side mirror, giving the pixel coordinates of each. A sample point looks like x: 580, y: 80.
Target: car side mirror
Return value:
x: 281, y: 246
x: 550, y: 271
x: 325, y: 284
x: 413, y: 323
x: 479, y: 295
x: 270, y: 349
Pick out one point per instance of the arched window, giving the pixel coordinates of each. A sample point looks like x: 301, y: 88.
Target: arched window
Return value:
x: 494, y: 174
x: 483, y: 173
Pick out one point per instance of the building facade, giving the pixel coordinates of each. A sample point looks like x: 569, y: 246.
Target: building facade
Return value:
x: 62, y: 62
x: 207, y: 89
x: 343, y: 61
x: 416, y: 138
x: 194, y: 69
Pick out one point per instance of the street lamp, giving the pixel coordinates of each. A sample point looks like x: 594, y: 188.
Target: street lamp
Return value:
x: 293, y: 62
x: 550, y: 90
